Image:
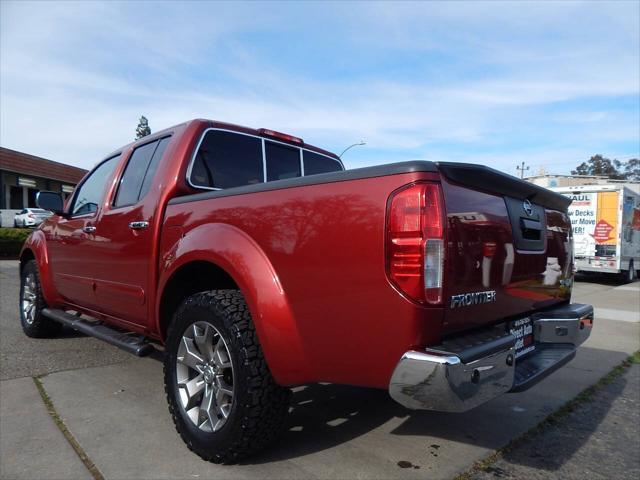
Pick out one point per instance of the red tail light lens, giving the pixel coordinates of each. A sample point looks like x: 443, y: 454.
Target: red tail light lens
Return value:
x: 280, y: 136
x: 489, y: 249
x: 415, y: 242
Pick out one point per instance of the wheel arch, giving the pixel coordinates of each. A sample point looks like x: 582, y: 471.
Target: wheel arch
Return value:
x: 189, y: 279
x: 224, y: 256
x: 35, y: 248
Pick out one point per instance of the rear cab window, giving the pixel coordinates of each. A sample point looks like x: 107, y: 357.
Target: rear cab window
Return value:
x: 283, y: 161
x: 226, y: 159
x: 314, y: 163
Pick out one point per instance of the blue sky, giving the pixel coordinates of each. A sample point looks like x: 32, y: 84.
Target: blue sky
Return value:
x: 548, y: 83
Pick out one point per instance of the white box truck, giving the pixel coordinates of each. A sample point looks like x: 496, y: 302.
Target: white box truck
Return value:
x: 606, y: 228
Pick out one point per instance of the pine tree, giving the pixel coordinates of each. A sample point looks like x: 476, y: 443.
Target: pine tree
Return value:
x: 143, y: 128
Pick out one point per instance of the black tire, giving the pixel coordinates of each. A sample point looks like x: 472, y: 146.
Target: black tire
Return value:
x: 628, y: 276
x: 34, y: 324
x: 259, y: 407
x: 631, y: 273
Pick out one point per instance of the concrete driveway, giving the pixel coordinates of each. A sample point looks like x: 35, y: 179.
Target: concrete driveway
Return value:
x: 114, y: 406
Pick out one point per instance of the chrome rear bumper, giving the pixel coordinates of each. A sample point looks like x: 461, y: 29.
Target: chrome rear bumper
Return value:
x: 455, y: 379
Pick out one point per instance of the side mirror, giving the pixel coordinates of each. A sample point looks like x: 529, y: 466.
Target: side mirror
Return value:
x: 50, y: 201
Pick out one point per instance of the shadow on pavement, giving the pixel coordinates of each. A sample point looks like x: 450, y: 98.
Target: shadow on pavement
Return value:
x: 324, y: 416
x: 611, y: 279
x: 552, y: 448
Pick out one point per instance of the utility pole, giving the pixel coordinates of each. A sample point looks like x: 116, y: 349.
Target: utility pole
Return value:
x: 522, y: 169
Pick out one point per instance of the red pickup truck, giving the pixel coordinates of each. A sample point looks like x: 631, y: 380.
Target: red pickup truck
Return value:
x: 258, y: 263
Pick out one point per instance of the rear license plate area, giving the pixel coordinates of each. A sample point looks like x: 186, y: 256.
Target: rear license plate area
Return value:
x: 522, y: 329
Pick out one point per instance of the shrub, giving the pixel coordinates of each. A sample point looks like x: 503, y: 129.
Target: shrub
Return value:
x: 11, y: 240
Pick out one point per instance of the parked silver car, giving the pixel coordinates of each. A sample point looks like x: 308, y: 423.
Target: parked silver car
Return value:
x: 31, y: 217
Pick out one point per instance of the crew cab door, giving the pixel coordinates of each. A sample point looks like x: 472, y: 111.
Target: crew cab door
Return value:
x: 123, y: 242
x: 70, y: 239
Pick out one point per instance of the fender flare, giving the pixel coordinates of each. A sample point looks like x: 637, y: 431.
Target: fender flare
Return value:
x: 36, y: 243
x: 235, y: 252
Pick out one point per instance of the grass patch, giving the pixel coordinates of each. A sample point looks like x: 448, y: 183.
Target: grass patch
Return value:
x: 583, y: 397
x: 65, y: 431
x: 11, y: 240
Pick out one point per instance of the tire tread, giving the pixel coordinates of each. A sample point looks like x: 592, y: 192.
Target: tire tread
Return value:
x: 266, y: 404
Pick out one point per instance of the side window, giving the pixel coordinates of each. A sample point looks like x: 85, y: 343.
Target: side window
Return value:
x: 131, y: 180
x: 226, y: 160
x: 139, y: 172
x: 315, y: 163
x: 282, y: 161
x: 153, y: 166
x: 90, y: 193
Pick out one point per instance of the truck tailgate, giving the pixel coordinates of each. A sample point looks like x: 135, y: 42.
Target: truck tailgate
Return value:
x: 508, y: 247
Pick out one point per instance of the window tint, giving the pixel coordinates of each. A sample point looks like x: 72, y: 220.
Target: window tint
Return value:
x: 226, y: 160
x: 153, y: 166
x: 282, y: 161
x: 91, y: 191
x: 138, y: 175
x: 315, y: 163
x: 131, y: 180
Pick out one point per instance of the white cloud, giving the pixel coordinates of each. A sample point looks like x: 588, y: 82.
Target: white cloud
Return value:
x: 75, y: 77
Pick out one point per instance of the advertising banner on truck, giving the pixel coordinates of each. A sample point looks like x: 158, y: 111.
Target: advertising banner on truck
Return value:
x: 594, y: 218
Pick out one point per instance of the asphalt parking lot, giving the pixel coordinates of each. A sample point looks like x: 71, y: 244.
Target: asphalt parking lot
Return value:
x: 114, y: 406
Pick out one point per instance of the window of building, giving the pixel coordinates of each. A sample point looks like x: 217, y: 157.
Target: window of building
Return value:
x: 315, y: 163
x: 91, y: 192
x: 226, y: 160
x: 31, y: 197
x: 282, y: 161
x: 15, y: 197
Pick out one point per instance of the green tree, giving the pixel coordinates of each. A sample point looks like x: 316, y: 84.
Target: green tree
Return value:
x: 632, y: 169
x: 599, y: 165
x: 143, y: 128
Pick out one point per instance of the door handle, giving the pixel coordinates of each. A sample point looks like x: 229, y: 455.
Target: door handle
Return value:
x: 89, y: 229
x: 138, y: 225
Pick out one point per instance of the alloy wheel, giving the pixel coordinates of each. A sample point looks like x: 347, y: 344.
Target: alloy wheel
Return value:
x: 29, y: 295
x: 204, y: 374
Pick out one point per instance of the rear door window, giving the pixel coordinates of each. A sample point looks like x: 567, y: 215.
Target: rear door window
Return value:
x: 282, y: 161
x: 226, y: 160
x: 139, y: 172
x: 153, y: 166
x: 315, y: 163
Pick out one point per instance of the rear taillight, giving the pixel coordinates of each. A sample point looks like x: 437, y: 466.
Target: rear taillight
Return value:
x: 280, y: 136
x: 489, y: 249
x: 30, y: 215
x: 415, y: 242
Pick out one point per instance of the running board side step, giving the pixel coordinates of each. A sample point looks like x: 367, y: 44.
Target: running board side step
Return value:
x: 131, y: 344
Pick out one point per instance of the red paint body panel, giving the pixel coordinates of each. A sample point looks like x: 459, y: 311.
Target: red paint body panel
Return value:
x: 324, y: 309
x: 310, y: 261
